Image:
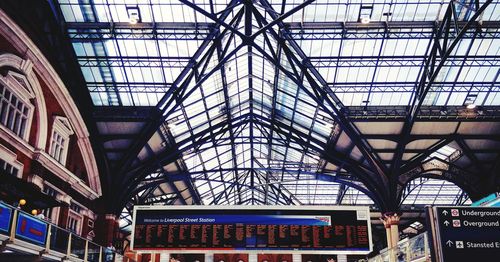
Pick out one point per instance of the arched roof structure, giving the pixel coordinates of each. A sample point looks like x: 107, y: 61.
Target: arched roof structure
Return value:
x: 288, y: 102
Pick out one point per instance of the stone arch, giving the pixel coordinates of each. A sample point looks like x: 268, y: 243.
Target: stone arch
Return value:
x: 35, y: 61
x: 25, y: 67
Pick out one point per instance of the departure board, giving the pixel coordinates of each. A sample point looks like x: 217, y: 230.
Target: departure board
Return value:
x: 307, y: 228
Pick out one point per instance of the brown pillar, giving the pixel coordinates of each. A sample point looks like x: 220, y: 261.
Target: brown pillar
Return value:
x: 85, y: 227
x: 63, y: 215
x: 65, y: 200
x: 106, y: 228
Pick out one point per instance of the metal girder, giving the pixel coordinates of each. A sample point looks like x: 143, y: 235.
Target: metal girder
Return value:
x: 121, y: 87
x: 133, y: 61
x: 460, y: 201
x: 173, y: 95
x: 401, y: 61
x: 98, y: 31
x: 471, y: 154
x: 138, y: 172
x: 408, y: 87
x: 413, y: 137
x: 441, y: 50
x: 124, y: 114
x: 378, y: 26
x: 247, y: 34
x: 440, y: 169
x: 279, y: 190
x: 477, y: 150
x: 320, y: 92
x: 110, y: 137
x: 303, y: 72
x: 323, y: 177
x: 425, y: 113
x: 355, y: 167
x: 220, y: 50
x: 176, y: 190
x: 343, y: 189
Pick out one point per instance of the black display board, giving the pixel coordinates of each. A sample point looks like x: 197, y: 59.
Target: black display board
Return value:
x: 466, y: 233
x: 317, y: 229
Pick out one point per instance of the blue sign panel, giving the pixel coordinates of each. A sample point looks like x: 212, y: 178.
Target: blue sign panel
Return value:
x: 486, y: 200
x: 310, y: 220
x: 468, y: 233
x: 5, y: 218
x: 264, y: 228
x: 31, y: 229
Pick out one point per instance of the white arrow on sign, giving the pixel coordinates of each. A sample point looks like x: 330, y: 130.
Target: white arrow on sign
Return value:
x: 449, y: 243
x: 445, y: 212
x: 446, y: 223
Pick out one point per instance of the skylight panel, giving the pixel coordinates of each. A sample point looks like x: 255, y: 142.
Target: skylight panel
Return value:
x: 444, y: 152
x: 72, y: 13
x: 491, y: 13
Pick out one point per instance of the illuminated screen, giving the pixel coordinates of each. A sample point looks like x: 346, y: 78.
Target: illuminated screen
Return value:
x: 256, y: 228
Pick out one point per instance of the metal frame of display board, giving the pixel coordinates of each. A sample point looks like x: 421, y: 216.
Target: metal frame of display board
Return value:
x: 255, y: 251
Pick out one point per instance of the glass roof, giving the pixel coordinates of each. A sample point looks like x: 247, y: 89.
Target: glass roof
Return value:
x: 249, y: 133
x: 423, y: 191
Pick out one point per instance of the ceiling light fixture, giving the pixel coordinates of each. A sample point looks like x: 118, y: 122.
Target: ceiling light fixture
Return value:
x: 470, y: 101
x: 133, y: 20
x: 134, y: 14
x: 470, y: 106
x: 365, y: 14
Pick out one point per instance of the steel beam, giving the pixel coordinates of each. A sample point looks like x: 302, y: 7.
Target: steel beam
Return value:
x: 431, y: 71
x: 171, y: 96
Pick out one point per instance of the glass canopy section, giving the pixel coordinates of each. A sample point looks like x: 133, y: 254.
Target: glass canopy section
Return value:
x: 423, y: 191
x: 245, y: 119
x: 134, y: 65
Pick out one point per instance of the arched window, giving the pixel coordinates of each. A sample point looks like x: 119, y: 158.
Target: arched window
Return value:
x: 59, y: 142
x: 16, y: 110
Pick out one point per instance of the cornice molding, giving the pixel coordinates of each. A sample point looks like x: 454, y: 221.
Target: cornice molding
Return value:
x: 21, y: 42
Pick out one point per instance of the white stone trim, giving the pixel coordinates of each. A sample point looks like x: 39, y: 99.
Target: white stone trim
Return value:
x: 79, y: 218
x: 41, y: 65
x: 60, y: 196
x: 88, y: 213
x: 7, y: 155
x: 65, y: 198
x: 25, y: 66
x: 62, y: 127
x: 11, y: 158
x: 22, y: 94
x: 64, y: 174
x: 59, y: 191
x: 90, y: 164
x: 82, y: 207
x: 16, y: 141
x: 49, y: 163
x: 11, y: 81
x: 36, y: 180
x: 78, y: 215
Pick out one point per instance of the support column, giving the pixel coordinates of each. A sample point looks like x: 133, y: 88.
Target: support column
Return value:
x: 62, y: 220
x: 391, y: 222
x: 106, y: 228
x: 387, y: 227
